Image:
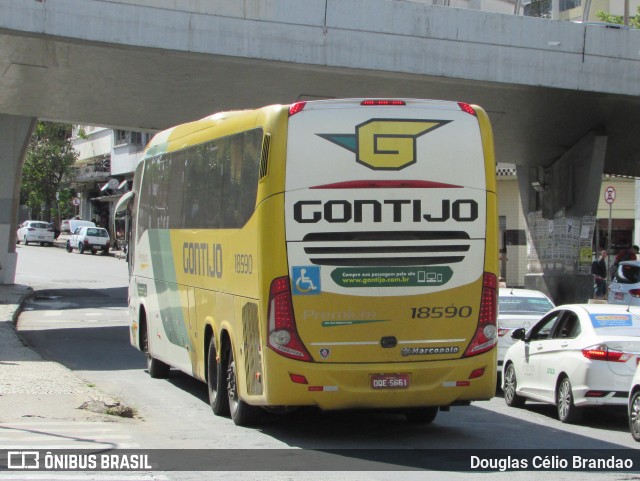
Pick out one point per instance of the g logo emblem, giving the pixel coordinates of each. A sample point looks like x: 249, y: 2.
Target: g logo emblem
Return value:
x: 385, y: 144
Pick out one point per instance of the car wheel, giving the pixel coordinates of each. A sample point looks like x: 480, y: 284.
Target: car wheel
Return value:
x: 69, y: 248
x: 242, y: 413
x: 17, y: 240
x: 80, y: 248
x: 156, y: 368
x: 93, y: 252
x: 634, y: 416
x: 105, y: 251
x: 216, y: 381
x: 510, y: 386
x: 567, y: 411
x: 421, y: 415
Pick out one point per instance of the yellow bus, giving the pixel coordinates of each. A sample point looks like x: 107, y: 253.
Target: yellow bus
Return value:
x: 337, y: 253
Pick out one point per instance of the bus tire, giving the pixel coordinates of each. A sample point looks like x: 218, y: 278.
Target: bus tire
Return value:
x: 421, y: 415
x: 216, y: 382
x: 156, y: 368
x: 242, y: 413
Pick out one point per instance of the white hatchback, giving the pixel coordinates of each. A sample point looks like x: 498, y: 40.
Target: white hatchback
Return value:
x: 35, y: 231
x: 518, y: 308
x: 577, y: 355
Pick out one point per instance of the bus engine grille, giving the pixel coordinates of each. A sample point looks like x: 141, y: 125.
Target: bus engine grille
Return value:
x: 391, y: 248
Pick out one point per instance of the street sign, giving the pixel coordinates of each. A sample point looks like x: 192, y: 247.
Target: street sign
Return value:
x: 609, y: 195
x: 76, y: 201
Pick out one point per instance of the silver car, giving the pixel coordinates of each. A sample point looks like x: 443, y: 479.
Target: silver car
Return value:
x: 518, y: 308
x: 35, y: 231
x: 625, y: 286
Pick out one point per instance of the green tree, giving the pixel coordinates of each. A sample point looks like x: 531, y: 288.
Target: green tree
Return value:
x: 48, y: 163
x: 607, y: 17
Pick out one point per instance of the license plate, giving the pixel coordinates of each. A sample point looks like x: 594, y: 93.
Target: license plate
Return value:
x: 619, y: 296
x: 390, y: 381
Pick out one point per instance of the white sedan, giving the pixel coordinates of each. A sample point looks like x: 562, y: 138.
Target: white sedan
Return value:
x: 575, y: 356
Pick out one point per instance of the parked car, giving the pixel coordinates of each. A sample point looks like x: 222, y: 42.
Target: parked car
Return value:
x: 70, y: 225
x: 575, y: 356
x: 88, y: 238
x: 625, y: 285
x: 518, y: 308
x: 634, y: 406
x: 35, y: 231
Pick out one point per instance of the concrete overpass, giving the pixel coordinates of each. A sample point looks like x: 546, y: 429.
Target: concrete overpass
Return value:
x: 564, y: 98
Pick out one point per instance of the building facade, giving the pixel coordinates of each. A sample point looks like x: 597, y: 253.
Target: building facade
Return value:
x: 106, y: 161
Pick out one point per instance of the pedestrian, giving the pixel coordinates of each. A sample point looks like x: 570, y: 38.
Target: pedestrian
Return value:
x: 599, y: 271
x: 630, y: 254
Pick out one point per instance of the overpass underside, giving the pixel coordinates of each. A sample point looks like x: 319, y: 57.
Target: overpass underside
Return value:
x: 563, y: 136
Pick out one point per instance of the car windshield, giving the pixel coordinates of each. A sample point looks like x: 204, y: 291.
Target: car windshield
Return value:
x: 39, y: 225
x: 97, y: 233
x: 523, y: 305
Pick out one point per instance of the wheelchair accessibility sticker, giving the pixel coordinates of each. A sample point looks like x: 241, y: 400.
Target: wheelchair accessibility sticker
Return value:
x: 305, y: 280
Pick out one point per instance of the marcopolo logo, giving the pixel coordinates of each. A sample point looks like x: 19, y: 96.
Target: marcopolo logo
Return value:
x: 385, y: 144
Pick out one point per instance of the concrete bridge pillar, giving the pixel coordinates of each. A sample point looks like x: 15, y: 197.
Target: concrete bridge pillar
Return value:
x: 15, y: 133
x: 560, y: 203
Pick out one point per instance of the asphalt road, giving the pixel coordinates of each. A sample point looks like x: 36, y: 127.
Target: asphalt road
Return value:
x: 78, y: 318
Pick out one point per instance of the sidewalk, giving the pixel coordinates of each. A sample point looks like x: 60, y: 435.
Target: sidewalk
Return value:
x: 32, y: 387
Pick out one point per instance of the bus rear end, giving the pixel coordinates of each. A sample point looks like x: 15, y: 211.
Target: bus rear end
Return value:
x: 391, y: 234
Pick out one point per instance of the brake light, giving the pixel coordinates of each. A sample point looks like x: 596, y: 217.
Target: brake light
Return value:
x: 283, y: 334
x: 31, y: 229
x: 634, y: 292
x: 486, y: 337
x: 375, y: 102
x: 601, y: 352
x: 295, y: 108
x: 467, y: 108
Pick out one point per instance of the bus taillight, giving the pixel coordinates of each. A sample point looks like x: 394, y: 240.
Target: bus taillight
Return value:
x: 297, y: 107
x: 486, y: 337
x: 283, y: 334
x: 467, y: 108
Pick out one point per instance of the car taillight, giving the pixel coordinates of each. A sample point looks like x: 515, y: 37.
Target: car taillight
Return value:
x: 31, y: 229
x: 601, y: 352
x: 634, y: 292
x: 283, y: 334
x: 486, y: 337
x: 502, y: 332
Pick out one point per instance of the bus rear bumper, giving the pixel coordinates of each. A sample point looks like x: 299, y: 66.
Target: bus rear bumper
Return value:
x: 409, y: 384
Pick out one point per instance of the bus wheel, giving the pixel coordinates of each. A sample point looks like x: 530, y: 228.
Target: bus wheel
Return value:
x: 216, y: 381
x: 157, y: 369
x: 421, y: 415
x: 242, y: 413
